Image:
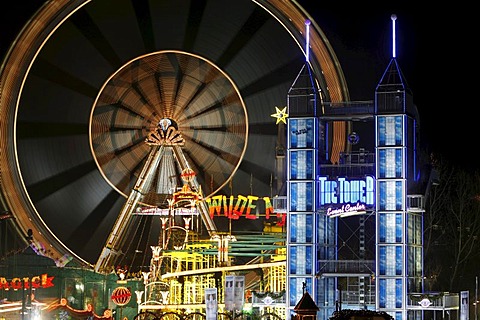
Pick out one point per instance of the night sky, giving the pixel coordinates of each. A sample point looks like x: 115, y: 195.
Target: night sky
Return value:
x: 433, y: 49
x: 434, y: 54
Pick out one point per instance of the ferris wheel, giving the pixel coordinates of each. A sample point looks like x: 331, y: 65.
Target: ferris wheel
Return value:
x: 85, y: 82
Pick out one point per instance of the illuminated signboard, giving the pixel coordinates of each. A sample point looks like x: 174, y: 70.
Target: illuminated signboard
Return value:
x: 345, y: 197
x: 234, y: 208
x: 154, y: 211
x: 346, y: 210
x: 42, y: 281
x: 223, y: 206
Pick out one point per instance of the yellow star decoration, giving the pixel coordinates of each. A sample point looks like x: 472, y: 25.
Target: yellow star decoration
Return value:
x: 281, y: 115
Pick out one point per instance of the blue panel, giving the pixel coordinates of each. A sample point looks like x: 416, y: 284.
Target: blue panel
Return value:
x: 293, y: 124
x: 382, y: 261
x: 296, y: 295
x: 399, y: 195
x: 398, y: 163
x: 293, y: 197
x: 309, y: 228
x: 382, y: 291
x: 383, y: 195
x: 302, y: 133
x: 398, y: 293
x: 382, y: 163
x: 308, y: 259
x: 309, y: 197
x: 382, y: 219
x: 293, y: 291
x: 398, y: 228
x: 301, y: 164
x: 301, y: 228
x: 398, y: 261
x: 381, y: 131
x: 293, y: 165
x: 293, y: 228
x: 299, y: 200
x: 293, y: 260
x: 310, y: 133
x: 310, y: 165
x: 399, y: 130
x: 308, y: 285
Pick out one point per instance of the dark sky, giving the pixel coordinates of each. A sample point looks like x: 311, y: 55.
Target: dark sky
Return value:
x: 434, y: 53
x: 433, y: 50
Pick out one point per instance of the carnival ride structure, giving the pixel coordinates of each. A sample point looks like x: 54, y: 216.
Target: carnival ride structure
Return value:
x: 96, y: 97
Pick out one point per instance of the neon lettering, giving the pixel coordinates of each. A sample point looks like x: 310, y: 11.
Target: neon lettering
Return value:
x: 343, y: 191
x: 42, y: 281
x: 268, y: 207
x: 346, y: 210
x: 242, y: 205
x: 4, y: 284
x: 16, y: 283
x: 250, y: 207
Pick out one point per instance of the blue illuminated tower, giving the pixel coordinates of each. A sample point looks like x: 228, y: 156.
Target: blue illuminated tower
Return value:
x: 373, y: 184
x: 399, y: 212
x: 302, y: 157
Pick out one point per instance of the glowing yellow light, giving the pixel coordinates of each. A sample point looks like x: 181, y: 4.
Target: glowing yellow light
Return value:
x: 281, y: 115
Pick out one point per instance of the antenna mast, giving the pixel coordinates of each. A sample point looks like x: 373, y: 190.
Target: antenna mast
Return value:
x: 394, y: 53
x: 307, y: 32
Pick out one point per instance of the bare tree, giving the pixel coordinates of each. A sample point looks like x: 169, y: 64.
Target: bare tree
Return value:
x: 452, y: 227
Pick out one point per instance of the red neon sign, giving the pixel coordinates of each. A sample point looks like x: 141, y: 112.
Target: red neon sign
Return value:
x: 41, y: 281
x: 243, y: 205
